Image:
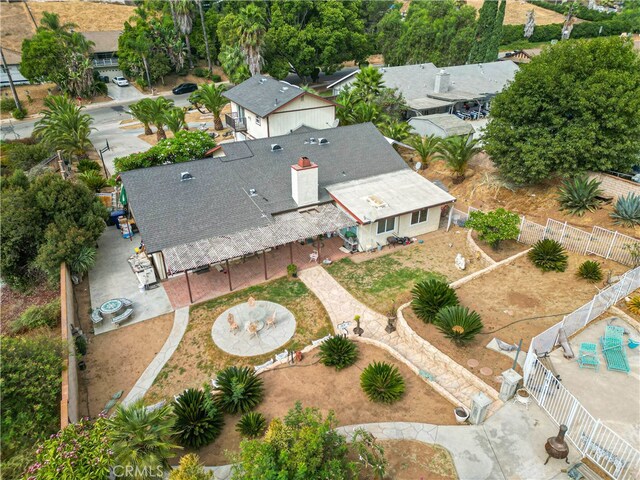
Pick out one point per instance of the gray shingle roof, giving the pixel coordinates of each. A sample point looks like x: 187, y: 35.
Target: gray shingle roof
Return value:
x: 451, y: 124
x: 170, y: 212
x: 262, y: 95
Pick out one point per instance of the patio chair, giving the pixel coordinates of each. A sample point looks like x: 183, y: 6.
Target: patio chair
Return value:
x: 96, y: 317
x: 588, y: 356
x: 313, y: 256
x: 271, y: 321
x: 613, y: 349
x: 233, y: 326
x: 252, y: 328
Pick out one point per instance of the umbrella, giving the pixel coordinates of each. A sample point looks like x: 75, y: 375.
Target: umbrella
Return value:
x: 123, y: 196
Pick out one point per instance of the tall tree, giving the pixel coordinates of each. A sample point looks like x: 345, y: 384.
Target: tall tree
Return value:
x: 157, y: 110
x: 183, y: 16
x: 250, y: 27
x: 457, y: 152
x: 175, y: 121
x: 234, y: 63
x: 484, y: 29
x: 205, y: 35
x: 210, y: 97
x: 574, y: 108
x: 493, y: 47
x: 368, y: 83
x: 141, y: 110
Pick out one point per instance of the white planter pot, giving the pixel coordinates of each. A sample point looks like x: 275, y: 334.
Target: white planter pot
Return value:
x: 461, y: 414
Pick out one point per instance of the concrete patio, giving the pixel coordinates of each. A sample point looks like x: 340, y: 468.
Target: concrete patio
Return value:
x: 611, y: 396
x: 112, y: 277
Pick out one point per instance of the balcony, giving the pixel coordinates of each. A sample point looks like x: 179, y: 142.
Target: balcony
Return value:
x: 236, y: 123
x: 105, y: 62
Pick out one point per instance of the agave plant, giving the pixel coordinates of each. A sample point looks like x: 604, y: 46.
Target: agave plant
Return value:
x: 579, y: 195
x: 84, y: 260
x: 382, y: 382
x: 93, y: 180
x: 251, y: 425
x: 430, y: 296
x: 198, y: 421
x: 549, y: 256
x: 627, y: 210
x: 633, y: 304
x: 338, y: 352
x: 240, y: 390
x: 458, y: 323
x: 590, y: 270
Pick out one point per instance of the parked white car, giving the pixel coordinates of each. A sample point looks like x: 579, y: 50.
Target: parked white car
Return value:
x: 121, y: 81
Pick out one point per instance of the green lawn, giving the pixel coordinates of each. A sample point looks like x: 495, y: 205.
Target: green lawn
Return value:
x: 380, y: 283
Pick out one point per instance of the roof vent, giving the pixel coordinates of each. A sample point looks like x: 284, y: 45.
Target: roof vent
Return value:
x: 185, y: 176
x: 323, y: 141
x: 311, y: 141
x: 275, y: 147
x: 253, y: 192
x: 262, y: 80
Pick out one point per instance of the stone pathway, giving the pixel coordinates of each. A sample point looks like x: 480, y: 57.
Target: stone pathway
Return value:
x: 451, y: 380
x: 180, y: 322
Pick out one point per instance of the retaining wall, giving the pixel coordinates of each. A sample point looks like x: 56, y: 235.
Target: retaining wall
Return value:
x: 615, y: 186
x: 69, y: 401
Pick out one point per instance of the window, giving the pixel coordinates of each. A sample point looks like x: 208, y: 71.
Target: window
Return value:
x: 386, y: 225
x: 258, y: 120
x: 420, y: 216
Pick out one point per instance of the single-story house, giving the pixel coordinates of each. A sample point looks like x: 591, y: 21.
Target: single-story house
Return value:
x: 441, y: 125
x: 260, y: 194
x: 428, y: 89
x: 262, y: 107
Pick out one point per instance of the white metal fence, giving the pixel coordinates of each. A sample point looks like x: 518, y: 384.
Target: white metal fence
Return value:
x: 594, y: 440
x: 600, y: 241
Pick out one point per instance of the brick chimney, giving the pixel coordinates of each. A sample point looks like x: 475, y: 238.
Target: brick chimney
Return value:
x: 443, y: 79
x: 304, y: 182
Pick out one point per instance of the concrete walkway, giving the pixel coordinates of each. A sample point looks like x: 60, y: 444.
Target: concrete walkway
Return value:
x: 509, y: 446
x: 450, y: 379
x: 180, y: 322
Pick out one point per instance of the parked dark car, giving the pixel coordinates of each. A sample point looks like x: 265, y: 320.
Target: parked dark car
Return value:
x: 185, y: 88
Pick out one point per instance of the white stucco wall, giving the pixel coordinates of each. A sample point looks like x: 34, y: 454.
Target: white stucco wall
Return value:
x: 307, y: 110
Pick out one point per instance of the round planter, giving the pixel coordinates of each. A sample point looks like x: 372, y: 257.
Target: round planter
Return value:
x: 461, y: 414
x: 522, y: 396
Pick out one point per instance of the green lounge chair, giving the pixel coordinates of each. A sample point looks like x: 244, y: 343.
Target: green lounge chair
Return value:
x: 588, y: 356
x: 613, y: 349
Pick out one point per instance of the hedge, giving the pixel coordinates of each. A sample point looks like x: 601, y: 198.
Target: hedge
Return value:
x: 579, y: 11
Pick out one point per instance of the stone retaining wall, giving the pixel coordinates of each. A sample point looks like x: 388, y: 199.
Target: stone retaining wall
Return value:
x: 471, y: 243
x: 615, y: 186
x: 489, y: 269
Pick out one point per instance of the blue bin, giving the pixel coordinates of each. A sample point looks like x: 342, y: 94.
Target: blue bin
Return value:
x: 113, y: 217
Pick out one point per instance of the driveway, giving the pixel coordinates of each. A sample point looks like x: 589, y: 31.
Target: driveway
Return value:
x: 129, y: 93
x: 112, y: 277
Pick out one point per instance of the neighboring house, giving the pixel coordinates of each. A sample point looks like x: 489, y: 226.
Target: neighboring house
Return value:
x: 520, y: 56
x: 441, y: 125
x: 428, y: 89
x: 264, y: 107
x: 260, y: 194
x: 13, y: 59
x: 105, y: 52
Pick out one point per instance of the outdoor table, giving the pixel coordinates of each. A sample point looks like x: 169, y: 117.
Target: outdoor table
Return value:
x: 111, y: 308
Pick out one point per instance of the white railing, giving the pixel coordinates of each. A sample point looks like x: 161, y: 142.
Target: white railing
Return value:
x: 591, y: 438
x: 608, y: 244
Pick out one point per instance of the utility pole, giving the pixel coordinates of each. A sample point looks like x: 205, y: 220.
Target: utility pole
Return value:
x: 11, y: 85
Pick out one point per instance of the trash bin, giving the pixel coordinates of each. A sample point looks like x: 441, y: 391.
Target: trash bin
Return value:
x: 113, y: 217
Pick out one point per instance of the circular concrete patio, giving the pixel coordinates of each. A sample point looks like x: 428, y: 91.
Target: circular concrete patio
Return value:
x: 231, y: 330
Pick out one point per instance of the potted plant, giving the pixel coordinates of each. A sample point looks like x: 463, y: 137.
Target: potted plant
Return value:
x: 292, y: 270
x: 392, y: 316
x: 461, y: 414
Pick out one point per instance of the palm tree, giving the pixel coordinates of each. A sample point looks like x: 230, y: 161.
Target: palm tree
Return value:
x: 210, y: 97
x: 183, y: 10
x: 64, y: 126
x: 174, y: 119
x: 368, y: 83
x: 141, y: 111
x: 396, y: 130
x: 204, y: 35
x: 234, y: 63
x: 457, y: 151
x: 141, y: 439
x: 250, y: 27
x: 157, y: 112
x: 51, y: 21
x: 364, y: 112
x: 426, y: 147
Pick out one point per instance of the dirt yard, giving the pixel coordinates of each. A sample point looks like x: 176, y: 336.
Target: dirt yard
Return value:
x: 622, y: 305
x: 88, y: 16
x: 13, y: 303
x: 413, y: 460
x: 197, y: 358
x: 115, y: 360
x: 484, y: 190
x: 385, y: 278
x: 505, y: 250
x: 517, y: 292
x: 516, y: 13
x: 315, y: 385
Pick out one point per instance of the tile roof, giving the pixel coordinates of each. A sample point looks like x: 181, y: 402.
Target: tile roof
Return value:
x: 262, y: 95
x: 170, y: 212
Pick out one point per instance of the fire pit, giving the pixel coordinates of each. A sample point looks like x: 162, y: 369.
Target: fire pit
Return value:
x: 556, y: 447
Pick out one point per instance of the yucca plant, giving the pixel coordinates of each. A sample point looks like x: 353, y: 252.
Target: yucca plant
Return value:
x: 198, y: 421
x: 240, y: 390
x: 86, y: 165
x: 251, y: 425
x: 458, y: 323
x: 579, y: 195
x: 548, y: 255
x: 93, y: 180
x: 626, y: 211
x: 590, y: 270
x: 382, y: 382
x: 634, y: 304
x: 338, y: 352
x: 429, y: 296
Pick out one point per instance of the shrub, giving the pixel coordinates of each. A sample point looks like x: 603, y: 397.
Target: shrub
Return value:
x: 198, y: 421
x: 201, y: 72
x: 190, y: 469
x: 338, y: 352
x: 579, y: 195
x: 86, y: 165
x: 93, y: 180
x: 7, y: 104
x: 549, y: 256
x: 240, y: 390
x: 81, y: 345
x: 292, y: 269
x: 38, y: 316
x: 382, y: 382
x: 19, y: 113
x: 590, y: 270
x: 495, y: 226
x: 626, y: 211
x: 251, y: 425
x: 429, y: 296
x: 633, y: 304
x: 458, y: 323
x: 24, y: 156
x: 215, y: 78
